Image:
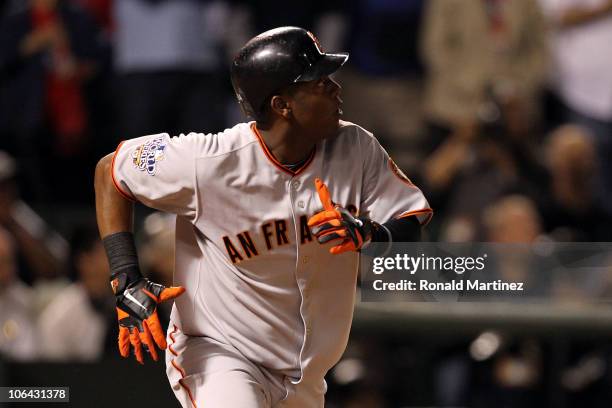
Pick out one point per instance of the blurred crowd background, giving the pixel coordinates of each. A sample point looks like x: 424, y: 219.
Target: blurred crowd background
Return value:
x: 500, y: 110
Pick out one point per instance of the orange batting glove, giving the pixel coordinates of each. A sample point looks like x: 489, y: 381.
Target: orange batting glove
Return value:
x: 138, y: 321
x: 336, y: 223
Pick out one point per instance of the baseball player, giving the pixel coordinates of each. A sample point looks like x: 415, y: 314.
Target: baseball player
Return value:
x: 271, y: 215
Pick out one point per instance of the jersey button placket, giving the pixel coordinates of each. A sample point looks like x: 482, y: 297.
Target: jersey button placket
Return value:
x: 293, y: 187
x: 304, y: 261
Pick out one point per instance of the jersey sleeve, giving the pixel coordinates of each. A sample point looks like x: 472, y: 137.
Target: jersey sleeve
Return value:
x: 158, y: 171
x: 387, y: 192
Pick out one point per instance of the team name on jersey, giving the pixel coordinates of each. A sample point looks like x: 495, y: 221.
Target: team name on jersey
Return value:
x: 272, y: 234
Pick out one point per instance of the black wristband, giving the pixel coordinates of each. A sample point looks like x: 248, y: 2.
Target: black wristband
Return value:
x: 380, y: 233
x: 122, y: 259
x: 405, y: 229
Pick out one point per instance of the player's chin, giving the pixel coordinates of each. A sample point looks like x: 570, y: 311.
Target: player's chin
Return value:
x: 331, y: 128
x: 334, y: 122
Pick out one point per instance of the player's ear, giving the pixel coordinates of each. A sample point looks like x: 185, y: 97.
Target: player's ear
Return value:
x: 281, y: 106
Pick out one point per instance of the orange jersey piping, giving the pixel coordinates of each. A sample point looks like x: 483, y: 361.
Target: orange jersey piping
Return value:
x: 115, y: 183
x: 275, y: 162
x: 427, y: 211
x: 180, y: 369
x: 171, y: 335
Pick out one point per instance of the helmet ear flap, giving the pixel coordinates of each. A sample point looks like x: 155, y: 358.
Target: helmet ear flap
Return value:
x: 245, y: 105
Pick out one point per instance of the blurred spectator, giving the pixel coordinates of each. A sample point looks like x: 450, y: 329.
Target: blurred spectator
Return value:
x: 571, y: 208
x: 383, y: 70
x: 480, y: 49
x: 515, y: 220
x: 486, y: 63
x: 512, y: 219
x: 101, y: 10
x: 580, y: 29
x: 470, y: 171
x: 48, y: 50
x: 169, y: 57
x: 465, y: 174
x: 41, y: 251
x: 17, y: 330
x: 500, y: 369
x: 582, y: 74
x: 76, y: 324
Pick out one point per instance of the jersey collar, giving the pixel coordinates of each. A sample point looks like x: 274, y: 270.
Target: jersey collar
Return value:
x: 275, y: 162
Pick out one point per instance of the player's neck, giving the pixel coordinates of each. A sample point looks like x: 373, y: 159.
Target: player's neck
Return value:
x: 287, y: 147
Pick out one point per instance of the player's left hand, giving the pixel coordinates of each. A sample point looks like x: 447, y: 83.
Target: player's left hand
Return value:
x: 336, y: 223
x: 138, y: 321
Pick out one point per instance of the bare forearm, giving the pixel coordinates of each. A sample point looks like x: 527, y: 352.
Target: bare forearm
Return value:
x: 114, y: 212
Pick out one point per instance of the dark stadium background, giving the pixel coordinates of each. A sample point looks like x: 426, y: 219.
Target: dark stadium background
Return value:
x: 472, y: 103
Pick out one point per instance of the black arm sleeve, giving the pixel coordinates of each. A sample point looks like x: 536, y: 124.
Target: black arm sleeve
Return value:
x: 406, y: 229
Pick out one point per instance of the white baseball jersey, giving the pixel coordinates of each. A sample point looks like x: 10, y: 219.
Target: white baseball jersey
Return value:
x: 256, y: 279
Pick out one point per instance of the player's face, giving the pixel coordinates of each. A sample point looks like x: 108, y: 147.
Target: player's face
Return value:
x: 316, y: 107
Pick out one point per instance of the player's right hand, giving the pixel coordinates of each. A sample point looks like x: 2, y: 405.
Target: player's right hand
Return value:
x: 337, y: 224
x: 138, y: 321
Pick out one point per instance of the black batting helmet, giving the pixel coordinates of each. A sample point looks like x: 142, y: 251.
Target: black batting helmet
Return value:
x: 275, y: 59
